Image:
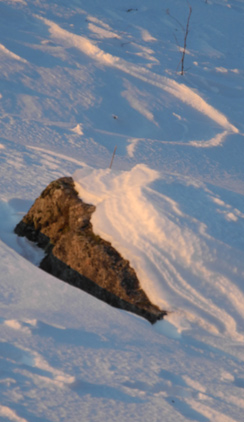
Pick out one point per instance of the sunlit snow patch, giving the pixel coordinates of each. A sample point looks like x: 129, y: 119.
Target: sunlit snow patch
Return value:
x: 101, y: 32
x: 78, y: 129
x: 213, y: 142
x: 180, y: 91
x: 10, y: 54
x: 122, y: 213
x: 136, y: 99
x: 10, y: 414
x: 170, y: 250
x: 131, y: 147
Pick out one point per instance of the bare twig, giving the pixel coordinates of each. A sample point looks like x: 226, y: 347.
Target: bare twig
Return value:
x: 175, y: 19
x: 185, y: 39
x: 111, y: 163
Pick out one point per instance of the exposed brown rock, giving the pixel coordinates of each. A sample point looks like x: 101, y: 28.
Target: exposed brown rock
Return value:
x: 59, y: 221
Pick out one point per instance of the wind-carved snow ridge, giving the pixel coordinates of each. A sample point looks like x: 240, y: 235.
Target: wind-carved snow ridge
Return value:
x: 167, y: 248
x: 78, y: 129
x: 10, y: 414
x: 213, y: 142
x: 10, y: 54
x: 178, y: 90
x: 101, y: 32
x: 136, y: 102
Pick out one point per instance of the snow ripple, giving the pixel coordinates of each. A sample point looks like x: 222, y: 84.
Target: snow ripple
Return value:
x: 178, y: 90
x: 173, y: 260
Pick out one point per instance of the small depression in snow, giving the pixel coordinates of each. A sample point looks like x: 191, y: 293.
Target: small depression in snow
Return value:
x: 167, y: 329
x: 16, y: 354
x: 11, y: 212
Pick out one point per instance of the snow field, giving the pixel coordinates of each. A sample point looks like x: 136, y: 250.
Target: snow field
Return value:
x: 77, y: 80
x: 144, y: 225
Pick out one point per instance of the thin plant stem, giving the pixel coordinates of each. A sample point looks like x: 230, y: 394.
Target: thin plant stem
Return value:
x: 185, y: 39
x: 111, y: 163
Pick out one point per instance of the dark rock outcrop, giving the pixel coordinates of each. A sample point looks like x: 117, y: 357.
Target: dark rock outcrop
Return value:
x: 59, y: 222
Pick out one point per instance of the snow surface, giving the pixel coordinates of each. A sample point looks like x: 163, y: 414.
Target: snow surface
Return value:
x: 77, y: 79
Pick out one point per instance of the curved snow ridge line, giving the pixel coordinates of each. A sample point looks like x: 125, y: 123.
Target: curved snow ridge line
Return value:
x: 101, y: 32
x: 165, y: 255
x: 213, y: 142
x: 180, y: 91
x: 10, y: 54
x: 57, y: 155
x: 203, y: 312
x: 217, y: 140
x: 207, y: 314
x: 56, y: 377
x: 130, y: 94
x: 10, y: 414
x: 204, y: 409
x: 16, y: 325
x: 157, y: 272
x: 79, y: 42
x: 20, y: 1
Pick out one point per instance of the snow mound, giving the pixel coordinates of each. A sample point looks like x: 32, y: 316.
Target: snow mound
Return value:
x: 168, y: 248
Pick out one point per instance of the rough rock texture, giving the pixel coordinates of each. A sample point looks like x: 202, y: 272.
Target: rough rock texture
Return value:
x: 59, y: 222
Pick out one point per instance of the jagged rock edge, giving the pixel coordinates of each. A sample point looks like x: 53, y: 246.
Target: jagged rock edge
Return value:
x: 60, y: 269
